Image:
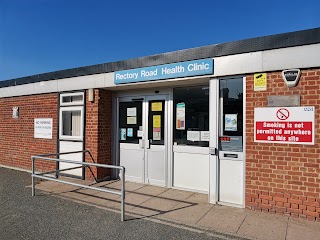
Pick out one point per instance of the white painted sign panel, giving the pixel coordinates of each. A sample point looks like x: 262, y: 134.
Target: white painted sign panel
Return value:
x: 293, y: 125
x: 43, y: 128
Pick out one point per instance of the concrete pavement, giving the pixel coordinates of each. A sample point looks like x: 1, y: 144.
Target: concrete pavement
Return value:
x: 187, y: 209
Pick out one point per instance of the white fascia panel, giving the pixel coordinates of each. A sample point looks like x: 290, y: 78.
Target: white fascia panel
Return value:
x: 82, y: 82
x: 29, y: 89
x: 109, y: 80
x: 237, y: 64
x: 293, y: 57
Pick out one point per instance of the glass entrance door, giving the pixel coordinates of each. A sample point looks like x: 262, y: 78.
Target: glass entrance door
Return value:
x: 142, y: 140
x: 231, y: 161
x: 226, y: 142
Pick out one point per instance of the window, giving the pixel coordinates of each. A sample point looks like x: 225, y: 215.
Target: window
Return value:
x: 130, y: 121
x: 231, y: 107
x: 71, y: 123
x: 69, y: 99
x: 191, y: 116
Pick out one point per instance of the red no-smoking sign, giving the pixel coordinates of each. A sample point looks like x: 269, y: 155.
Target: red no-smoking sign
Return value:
x: 284, y: 125
x: 283, y: 114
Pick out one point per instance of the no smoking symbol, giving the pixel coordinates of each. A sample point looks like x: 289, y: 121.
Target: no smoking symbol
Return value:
x: 283, y: 114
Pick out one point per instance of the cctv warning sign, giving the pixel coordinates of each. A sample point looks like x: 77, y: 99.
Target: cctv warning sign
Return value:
x: 284, y: 125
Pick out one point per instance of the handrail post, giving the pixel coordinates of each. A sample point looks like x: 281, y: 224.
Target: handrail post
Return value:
x: 32, y: 177
x: 123, y: 197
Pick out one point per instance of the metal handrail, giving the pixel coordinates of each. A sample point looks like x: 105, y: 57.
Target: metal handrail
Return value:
x: 46, y: 176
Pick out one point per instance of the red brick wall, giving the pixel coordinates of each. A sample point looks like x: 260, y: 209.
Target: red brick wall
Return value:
x: 284, y: 178
x: 98, y: 132
x: 17, y: 142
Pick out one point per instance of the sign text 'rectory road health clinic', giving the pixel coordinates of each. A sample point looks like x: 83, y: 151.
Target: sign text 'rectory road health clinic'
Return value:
x: 166, y: 71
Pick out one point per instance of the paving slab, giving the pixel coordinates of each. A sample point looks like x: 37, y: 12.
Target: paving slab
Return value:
x: 109, y: 184
x: 173, y: 194
x: 47, y: 185
x: 151, y: 190
x: 63, y: 188
x: 223, y: 219
x: 135, y: 199
x: 104, y: 200
x: 86, y: 191
x: 302, y: 229
x: 198, y: 198
x: 264, y: 226
x: 189, y: 213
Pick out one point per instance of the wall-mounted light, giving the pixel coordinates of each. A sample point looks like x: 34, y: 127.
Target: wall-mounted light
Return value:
x: 91, y: 95
x: 15, y: 112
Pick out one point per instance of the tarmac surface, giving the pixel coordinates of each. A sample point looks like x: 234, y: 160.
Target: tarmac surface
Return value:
x: 48, y: 216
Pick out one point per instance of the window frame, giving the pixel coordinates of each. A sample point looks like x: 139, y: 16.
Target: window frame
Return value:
x: 71, y: 95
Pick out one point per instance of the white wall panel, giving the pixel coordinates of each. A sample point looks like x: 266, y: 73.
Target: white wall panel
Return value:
x: 191, y: 171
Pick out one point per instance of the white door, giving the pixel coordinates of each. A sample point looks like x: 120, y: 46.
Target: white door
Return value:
x: 226, y: 145
x: 143, y: 132
x: 71, y: 125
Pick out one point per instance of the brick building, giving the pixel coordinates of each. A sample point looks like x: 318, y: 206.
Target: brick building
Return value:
x: 238, y: 121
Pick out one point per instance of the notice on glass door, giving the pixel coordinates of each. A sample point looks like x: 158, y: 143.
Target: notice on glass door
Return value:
x: 156, y: 134
x: 131, y: 120
x: 156, y: 107
x: 193, y: 136
x: 156, y: 121
x: 130, y: 132
x: 131, y: 112
x: 181, y: 116
x: 123, y: 134
x: 231, y: 122
x: 204, y: 136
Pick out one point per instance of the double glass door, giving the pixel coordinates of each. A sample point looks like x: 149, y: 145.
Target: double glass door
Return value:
x: 143, y: 138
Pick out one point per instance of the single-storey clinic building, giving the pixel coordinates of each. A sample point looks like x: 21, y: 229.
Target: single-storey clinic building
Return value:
x: 238, y: 121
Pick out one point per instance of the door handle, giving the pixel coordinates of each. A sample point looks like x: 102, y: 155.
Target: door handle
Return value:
x: 230, y: 155
x: 213, y: 151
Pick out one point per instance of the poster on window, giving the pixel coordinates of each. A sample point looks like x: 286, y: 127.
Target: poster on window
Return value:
x: 130, y: 132
x: 156, y: 107
x: 131, y: 112
x: 156, y: 121
x: 193, y: 136
x: 231, y: 122
x: 123, y: 134
x: 156, y: 134
x: 181, y: 116
x: 131, y: 120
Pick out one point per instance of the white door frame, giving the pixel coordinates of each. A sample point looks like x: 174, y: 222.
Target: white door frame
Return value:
x: 215, y: 120
x: 73, y: 142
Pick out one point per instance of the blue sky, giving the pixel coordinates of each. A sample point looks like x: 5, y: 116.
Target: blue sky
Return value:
x: 38, y: 36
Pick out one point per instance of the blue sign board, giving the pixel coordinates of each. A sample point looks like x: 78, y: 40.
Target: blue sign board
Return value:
x: 166, y: 71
